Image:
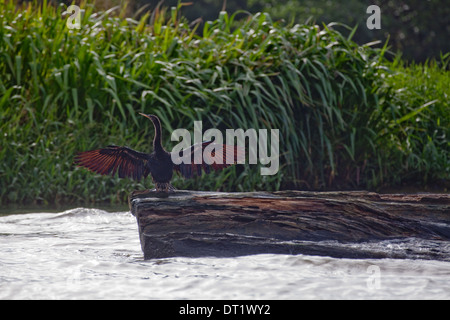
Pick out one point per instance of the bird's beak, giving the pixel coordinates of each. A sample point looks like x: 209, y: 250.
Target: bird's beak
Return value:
x: 145, y: 115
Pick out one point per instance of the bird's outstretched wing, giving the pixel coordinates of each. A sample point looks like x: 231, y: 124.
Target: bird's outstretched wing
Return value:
x: 112, y: 159
x: 222, y: 152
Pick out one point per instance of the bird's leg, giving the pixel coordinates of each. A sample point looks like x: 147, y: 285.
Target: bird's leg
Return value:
x: 161, y: 186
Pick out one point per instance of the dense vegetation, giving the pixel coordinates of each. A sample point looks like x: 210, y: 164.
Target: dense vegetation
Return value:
x: 418, y: 29
x: 348, y: 118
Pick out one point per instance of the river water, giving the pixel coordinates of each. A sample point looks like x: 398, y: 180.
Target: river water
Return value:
x: 86, y: 253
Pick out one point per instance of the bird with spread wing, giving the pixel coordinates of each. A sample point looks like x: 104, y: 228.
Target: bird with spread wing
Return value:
x: 159, y: 164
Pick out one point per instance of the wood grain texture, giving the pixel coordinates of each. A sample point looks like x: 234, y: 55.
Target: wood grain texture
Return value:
x: 187, y: 223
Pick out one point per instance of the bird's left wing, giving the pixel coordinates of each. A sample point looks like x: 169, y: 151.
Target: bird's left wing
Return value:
x: 127, y: 162
x: 226, y: 154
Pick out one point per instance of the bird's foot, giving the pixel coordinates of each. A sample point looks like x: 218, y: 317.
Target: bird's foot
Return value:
x: 164, y: 187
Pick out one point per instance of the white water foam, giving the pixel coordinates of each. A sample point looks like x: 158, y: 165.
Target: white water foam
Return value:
x: 93, y: 254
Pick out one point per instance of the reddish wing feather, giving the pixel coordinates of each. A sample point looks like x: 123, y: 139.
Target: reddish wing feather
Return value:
x: 225, y: 152
x: 112, y: 159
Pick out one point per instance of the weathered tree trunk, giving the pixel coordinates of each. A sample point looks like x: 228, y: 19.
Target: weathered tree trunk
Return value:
x: 189, y: 223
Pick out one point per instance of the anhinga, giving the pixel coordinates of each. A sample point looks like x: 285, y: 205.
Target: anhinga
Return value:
x: 133, y: 164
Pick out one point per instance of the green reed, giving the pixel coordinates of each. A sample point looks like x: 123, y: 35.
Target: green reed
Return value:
x: 347, y: 117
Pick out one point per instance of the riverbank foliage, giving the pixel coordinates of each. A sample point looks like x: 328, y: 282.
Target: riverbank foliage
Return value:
x: 348, y: 118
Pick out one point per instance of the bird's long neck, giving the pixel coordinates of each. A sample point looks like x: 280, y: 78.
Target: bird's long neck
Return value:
x: 157, y: 144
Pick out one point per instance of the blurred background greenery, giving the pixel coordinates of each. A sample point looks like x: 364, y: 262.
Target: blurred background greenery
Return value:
x: 419, y: 29
x: 351, y: 116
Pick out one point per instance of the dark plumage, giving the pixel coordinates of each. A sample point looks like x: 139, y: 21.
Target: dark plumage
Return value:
x: 137, y: 165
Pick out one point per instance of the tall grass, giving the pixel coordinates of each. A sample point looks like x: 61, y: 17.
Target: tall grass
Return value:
x: 414, y: 125
x: 62, y: 91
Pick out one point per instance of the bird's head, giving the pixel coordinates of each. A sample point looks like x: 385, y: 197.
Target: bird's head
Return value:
x: 154, y: 119
x: 157, y: 125
x: 150, y: 116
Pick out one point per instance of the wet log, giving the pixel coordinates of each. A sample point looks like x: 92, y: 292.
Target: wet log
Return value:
x: 195, y: 224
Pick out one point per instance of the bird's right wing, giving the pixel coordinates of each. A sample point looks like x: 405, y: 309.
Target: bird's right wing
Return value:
x: 112, y: 159
x: 227, y: 156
